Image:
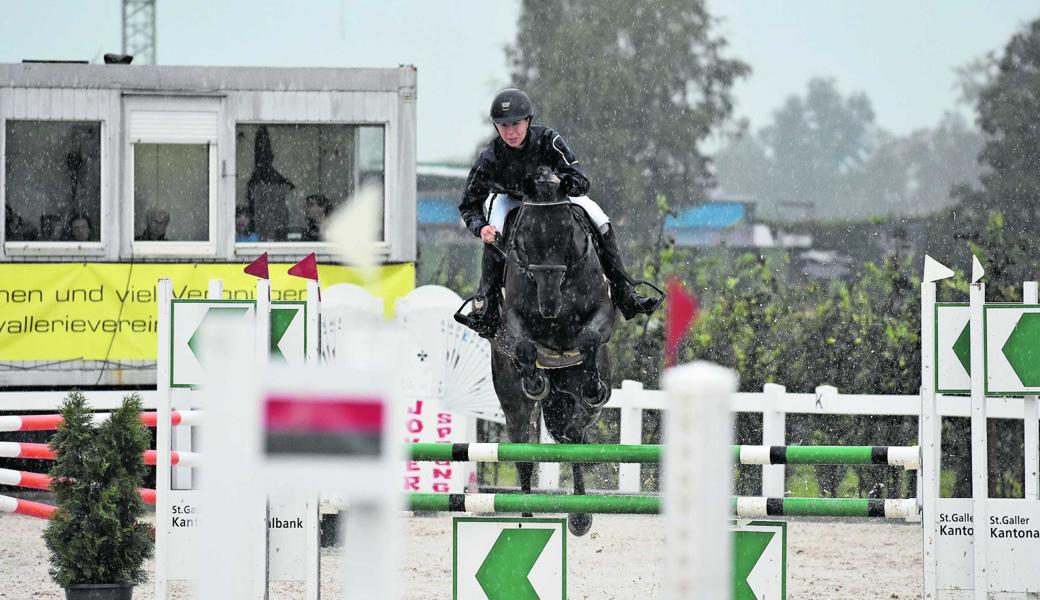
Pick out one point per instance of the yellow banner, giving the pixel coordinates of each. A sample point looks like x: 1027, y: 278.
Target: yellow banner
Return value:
x: 107, y: 311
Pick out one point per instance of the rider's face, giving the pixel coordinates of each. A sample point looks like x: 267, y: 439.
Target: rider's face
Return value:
x: 513, y: 134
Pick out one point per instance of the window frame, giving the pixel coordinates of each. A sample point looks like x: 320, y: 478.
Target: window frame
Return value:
x: 17, y: 249
x: 299, y: 248
x: 172, y: 104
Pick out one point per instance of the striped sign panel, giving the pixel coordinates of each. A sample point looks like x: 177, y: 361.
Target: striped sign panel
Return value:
x: 316, y: 425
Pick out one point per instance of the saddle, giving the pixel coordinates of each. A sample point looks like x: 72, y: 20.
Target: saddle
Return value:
x: 556, y: 359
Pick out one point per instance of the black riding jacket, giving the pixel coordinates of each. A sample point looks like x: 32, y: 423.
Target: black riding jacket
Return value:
x: 502, y: 169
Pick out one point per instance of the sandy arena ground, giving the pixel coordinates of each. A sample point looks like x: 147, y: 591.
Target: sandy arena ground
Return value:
x: 620, y: 559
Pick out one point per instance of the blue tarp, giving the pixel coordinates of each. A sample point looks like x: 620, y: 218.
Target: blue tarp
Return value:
x: 710, y: 215
x: 437, y: 210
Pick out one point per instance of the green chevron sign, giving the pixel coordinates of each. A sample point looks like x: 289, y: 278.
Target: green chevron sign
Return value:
x: 189, y: 320
x: 952, y: 348
x: 289, y: 332
x: 505, y: 572
x: 509, y: 559
x: 1012, y: 349
x: 526, y: 559
x: 760, y: 560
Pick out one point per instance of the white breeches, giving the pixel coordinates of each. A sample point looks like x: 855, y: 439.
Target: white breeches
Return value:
x: 503, y: 205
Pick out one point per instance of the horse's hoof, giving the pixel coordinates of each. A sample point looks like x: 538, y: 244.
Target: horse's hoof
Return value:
x: 537, y: 389
x: 597, y: 395
x: 579, y: 523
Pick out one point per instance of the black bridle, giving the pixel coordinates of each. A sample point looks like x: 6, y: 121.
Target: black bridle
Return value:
x: 512, y: 254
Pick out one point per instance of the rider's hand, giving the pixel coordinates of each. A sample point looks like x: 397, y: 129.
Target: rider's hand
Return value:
x: 488, y: 233
x: 567, y: 185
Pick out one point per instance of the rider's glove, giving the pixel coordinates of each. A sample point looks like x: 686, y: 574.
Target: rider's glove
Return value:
x: 567, y: 185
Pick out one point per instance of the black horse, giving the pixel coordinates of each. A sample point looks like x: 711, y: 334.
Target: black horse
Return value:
x: 557, y: 316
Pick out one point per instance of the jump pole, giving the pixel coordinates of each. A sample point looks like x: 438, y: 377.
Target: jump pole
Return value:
x: 26, y: 507
x: 35, y: 450
x: 907, y: 457
x: 53, y: 422
x: 740, y: 507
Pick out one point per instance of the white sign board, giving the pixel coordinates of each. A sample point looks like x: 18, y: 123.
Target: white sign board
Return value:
x: 952, y: 348
x: 183, y: 535
x: 1012, y: 349
x: 426, y: 421
x: 1012, y: 547
x: 188, y: 323
x: 495, y: 558
x: 290, y: 528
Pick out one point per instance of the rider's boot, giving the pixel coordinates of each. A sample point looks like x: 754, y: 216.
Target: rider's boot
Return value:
x: 484, y: 317
x: 621, y: 288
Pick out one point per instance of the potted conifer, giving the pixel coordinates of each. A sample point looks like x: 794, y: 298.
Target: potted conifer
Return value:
x: 97, y: 541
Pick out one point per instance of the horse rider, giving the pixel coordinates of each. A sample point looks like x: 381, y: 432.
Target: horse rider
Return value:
x: 509, y: 163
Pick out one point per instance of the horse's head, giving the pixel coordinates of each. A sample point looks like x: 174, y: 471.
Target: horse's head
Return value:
x: 545, y: 230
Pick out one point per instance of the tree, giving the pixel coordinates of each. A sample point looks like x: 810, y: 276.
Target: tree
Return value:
x: 634, y: 87
x: 915, y: 174
x: 823, y: 149
x: 740, y: 167
x: 1003, y: 213
x: 815, y: 143
x: 97, y: 535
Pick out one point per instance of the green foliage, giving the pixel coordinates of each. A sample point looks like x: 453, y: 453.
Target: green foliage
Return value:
x: 634, y: 87
x: 96, y: 535
x: 637, y: 346
x: 1000, y: 218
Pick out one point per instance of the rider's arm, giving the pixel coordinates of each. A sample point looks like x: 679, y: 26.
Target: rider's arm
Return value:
x: 572, y: 176
x: 471, y: 207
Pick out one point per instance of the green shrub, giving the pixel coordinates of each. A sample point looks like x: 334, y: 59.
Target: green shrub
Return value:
x: 96, y: 535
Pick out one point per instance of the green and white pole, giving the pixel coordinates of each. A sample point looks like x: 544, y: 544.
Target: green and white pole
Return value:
x: 741, y: 507
x: 907, y: 457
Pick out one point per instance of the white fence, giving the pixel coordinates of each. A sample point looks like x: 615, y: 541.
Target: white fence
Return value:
x: 774, y: 403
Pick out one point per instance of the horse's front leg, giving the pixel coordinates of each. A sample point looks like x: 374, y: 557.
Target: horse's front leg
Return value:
x: 533, y: 383
x: 595, y: 333
x: 518, y: 431
x: 579, y: 523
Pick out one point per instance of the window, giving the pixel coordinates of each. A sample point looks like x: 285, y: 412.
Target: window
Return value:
x: 172, y: 174
x: 171, y: 192
x: 53, y: 181
x: 290, y: 177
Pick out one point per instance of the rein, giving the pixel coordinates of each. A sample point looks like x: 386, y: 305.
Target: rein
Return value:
x: 528, y: 269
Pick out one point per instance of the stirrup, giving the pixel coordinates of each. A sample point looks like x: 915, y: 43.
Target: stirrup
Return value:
x: 636, y: 304
x: 479, y: 319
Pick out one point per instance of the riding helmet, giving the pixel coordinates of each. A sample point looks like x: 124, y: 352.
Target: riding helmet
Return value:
x: 510, y: 106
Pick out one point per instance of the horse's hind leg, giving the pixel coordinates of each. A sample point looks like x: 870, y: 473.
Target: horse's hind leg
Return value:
x: 579, y: 523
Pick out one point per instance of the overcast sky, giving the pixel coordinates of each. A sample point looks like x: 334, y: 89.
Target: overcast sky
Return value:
x: 900, y: 53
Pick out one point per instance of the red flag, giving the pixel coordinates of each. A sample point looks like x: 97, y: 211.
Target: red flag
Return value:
x: 681, y: 313
x: 306, y: 268
x: 258, y: 268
